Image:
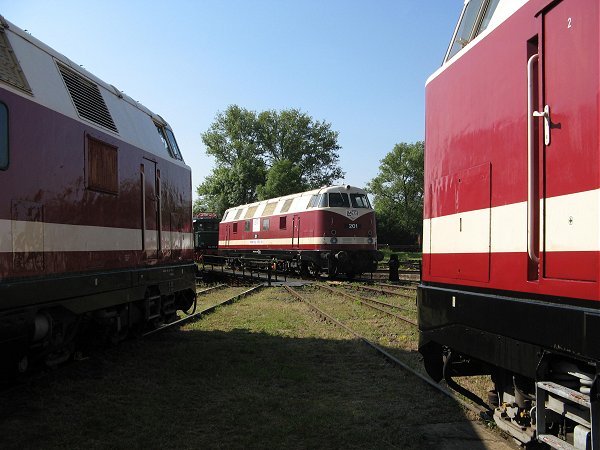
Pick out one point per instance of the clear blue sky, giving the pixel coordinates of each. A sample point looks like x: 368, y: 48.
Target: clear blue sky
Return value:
x: 359, y: 65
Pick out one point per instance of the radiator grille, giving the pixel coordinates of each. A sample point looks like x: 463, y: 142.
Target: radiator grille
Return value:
x: 87, y: 99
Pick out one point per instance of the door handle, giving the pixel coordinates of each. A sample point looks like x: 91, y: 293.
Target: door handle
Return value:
x: 546, y: 115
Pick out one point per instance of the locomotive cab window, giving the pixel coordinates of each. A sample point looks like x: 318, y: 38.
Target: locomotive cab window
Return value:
x: 283, y: 222
x: 360, y: 201
x: 338, y: 200
x: 322, y: 202
x: 474, y: 19
x: 235, y: 227
x: 173, y: 145
x: 3, y: 137
x: 169, y: 142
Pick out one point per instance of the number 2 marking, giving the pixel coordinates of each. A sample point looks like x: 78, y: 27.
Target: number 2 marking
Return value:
x: 569, y: 22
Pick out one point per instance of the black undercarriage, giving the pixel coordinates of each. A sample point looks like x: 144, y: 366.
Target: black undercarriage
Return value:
x: 43, y: 319
x: 542, y: 354
x: 314, y: 262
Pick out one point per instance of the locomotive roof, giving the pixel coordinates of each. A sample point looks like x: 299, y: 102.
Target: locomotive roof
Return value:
x: 40, y: 64
x: 308, y: 194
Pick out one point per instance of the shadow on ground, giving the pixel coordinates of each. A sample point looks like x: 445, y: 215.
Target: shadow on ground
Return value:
x: 232, y: 389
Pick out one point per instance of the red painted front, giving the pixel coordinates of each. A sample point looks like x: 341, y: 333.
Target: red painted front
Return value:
x: 46, y: 182
x: 476, y: 121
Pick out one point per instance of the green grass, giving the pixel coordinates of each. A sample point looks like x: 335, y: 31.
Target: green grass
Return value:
x: 262, y: 373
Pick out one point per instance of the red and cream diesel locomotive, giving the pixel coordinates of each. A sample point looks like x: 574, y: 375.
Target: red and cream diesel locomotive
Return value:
x: 329, y: 230
x: 95, y: 207
x: 511, y: 276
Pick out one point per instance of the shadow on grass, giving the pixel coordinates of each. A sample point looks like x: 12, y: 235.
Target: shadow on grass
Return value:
x: 236, y: 389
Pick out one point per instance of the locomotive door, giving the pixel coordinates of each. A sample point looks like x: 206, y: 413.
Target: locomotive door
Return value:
x: 296, y: 231
x: 569, y: 136
x: 150, y: 209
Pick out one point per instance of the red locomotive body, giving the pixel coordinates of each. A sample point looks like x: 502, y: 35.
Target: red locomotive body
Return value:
x: 331, y: 230
x: 512, y: 214
x: 95, y: 206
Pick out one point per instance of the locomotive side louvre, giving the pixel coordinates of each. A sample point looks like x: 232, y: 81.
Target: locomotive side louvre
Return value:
x: 95, y: 205
x: 330, y: 229
x: 512, y: 217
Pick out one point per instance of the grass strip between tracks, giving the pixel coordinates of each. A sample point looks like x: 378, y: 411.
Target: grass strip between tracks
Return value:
x: 386, y: 354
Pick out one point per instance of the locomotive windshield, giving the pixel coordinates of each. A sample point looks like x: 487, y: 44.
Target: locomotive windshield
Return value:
x: 360, y: 201
x: 338, y: 200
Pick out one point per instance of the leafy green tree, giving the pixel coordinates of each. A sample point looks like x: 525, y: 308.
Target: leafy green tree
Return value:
x: 283, y: 178
x: 311, y: 146
x: 398, y: 194
x: 260, y: 156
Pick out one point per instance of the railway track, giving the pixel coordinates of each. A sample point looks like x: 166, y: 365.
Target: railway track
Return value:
x: 384, y: 289
x: 198, y: 314
x: 477, y: 409
x: 37, y: 374
x: 383, y: 307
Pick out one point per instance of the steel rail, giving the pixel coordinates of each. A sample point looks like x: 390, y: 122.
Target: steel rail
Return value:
x: 212, y: 288
x: 387, y: 291
x: 401, y: 285
x: 196, y: 316
x: 477, y: 410
x: 369, y: 302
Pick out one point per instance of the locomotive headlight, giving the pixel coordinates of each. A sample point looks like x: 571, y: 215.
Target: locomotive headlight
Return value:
x: 370, y: 233
x: 370, y: 240
x: 333, y: 232
x: 333, y: 240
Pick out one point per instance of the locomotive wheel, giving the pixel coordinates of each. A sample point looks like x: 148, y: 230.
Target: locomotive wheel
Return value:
x: 304, y: 269
x: 314, y: 270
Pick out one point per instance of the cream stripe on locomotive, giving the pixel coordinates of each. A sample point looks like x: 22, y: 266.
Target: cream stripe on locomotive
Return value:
x: 322, y: 240
x: 25, y: 236
x: 570, y: 222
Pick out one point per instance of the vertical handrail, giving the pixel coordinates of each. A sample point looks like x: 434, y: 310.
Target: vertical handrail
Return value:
x: 531, y: 147
x: 143, y: 180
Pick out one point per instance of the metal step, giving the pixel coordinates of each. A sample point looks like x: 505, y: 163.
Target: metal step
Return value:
x: 565, y: 392
x: 555, y: 442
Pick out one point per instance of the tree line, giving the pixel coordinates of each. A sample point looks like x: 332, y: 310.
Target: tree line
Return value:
x: 274, y: 153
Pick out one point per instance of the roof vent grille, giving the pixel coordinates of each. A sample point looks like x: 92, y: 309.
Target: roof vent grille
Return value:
x: 87, y: 99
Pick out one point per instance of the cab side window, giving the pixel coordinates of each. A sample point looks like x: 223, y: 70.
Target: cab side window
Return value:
x: 168, y: 140
x: 473, y: 21
x: 3, y: 136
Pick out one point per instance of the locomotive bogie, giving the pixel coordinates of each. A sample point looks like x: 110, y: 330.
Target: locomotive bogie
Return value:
x: 95, y: 206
